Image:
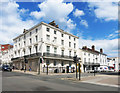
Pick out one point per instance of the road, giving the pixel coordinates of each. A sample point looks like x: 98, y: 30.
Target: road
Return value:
x: 14, y: 81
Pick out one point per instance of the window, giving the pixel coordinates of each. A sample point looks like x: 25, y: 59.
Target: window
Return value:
x: 24, y: 37
x: 30, y: 33
x: 19, y: 44
x: 84, y: 59
x: 62, y: 35
x: 30, y: 40
x: 54, y: 62
x: 62, y: 52
x: 55, y: 39
x: 69, y: 37
x: 74, y: 45
x: 19, y: 39
x: 24, y: 42
x: 88, y: 54
x: 74, y: 39
x: 47, y: 29
x: 93, y: 60
x: 62, y: 63
x: 69, y: 53
x: 74, y: 53
x: 89, y: 59
x: 54, y: 32
x: 19, y: 52
x: 36, y: 38
x: 15, y: 53
x: 55, y: 50
x: 24, y: 52
x: 48, y: 49
x: 48, y: 37
x: 62, y: 42
x: 84, y: 53
x: 36, y: 48
x: 36, y: 30
x: 30, y: 50
x: 69, y: 44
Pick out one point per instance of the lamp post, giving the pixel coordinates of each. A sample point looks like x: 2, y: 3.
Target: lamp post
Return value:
x: 75, y: 60
x: 79, y: 71
x: 26, y: 61
x: 40, y: 59
x: 94, y: 66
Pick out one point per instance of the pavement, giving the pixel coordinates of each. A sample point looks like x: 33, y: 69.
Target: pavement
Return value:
x: 106, y: 79
x: 14, y: 81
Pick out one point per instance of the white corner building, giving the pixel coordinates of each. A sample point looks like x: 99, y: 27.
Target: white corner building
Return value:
x: 47, y: 41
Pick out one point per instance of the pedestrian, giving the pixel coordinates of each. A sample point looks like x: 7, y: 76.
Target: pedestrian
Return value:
x: 29, y: 68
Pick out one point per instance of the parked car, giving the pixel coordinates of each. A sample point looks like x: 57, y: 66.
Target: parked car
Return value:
x: 6, y: 68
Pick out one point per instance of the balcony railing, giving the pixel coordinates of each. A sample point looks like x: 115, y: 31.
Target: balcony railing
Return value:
x: 56, y: 55
x: 28, y: 56
x: 15, y: 58
x: 91, y: 64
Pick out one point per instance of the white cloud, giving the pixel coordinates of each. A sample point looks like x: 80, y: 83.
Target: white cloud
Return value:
x: 78, y: 13
x: 105, y: 10
x: 23, y: 10
x: 37, y: 15
x: 113, y: 35
x: 11, y: 22
x: 55, y: 10
x: 84, y: 22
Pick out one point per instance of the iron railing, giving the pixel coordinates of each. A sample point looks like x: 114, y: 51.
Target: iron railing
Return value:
x: 56, y: 55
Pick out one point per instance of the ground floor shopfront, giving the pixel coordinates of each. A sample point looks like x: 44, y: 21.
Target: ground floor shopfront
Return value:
x: 90, y: 67
x: 53, y: 64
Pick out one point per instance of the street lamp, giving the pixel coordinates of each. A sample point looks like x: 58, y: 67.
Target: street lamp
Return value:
x: 40, y: 58
x: 94, y: 66
x: 76, y: 60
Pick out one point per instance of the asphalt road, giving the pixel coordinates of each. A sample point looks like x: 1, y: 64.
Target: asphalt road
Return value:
x: 13, y: 81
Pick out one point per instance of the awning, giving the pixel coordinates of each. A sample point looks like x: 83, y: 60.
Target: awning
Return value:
x: 91, y: 64
x: 110, y: 67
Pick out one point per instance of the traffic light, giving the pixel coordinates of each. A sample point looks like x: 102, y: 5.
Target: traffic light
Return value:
x: 40, y: 60
x: 75, y: 59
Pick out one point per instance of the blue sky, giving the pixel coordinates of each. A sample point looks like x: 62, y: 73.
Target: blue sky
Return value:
x: 97, y: 28
x: 96, y: 23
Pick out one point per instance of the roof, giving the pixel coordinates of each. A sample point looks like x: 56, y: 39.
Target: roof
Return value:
x: 91, y: 51
x: 6, y: 47
x: 49, y: 25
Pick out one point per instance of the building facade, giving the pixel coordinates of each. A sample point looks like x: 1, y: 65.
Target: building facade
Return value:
x: 6, y: 53
x: 113, y: 64
x: 48, y: 42
x: 92, y: 59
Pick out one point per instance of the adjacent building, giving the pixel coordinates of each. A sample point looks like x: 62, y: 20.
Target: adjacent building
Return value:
x: 113, y: 64
x: 48, y: 42
x: 6, y: 53
x: 92, y: 59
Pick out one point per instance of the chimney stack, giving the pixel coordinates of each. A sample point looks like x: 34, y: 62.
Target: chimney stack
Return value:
x: 93, y: 48
x: 57, y: 26
x: 84, y: 47
x: 101, y: 50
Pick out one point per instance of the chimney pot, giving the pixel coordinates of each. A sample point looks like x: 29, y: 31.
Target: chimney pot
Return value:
x: 101, y: 50
x: 93, y: 48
